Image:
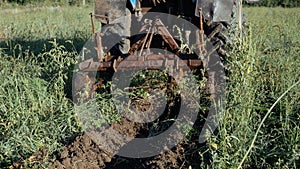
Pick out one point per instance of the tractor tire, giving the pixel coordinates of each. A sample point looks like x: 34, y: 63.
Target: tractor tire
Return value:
x: 217, y: 34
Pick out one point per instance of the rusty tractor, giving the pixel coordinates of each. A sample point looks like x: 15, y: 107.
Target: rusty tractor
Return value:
x: 213, y: 18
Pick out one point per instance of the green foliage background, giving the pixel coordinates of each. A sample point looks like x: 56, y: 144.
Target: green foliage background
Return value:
x: 55, y: 2
x: 274, y: 3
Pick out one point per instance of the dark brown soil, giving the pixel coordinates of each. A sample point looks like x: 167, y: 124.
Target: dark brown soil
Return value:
x: 84, y: 153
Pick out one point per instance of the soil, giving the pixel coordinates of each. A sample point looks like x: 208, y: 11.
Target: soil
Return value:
x: 85, y: 153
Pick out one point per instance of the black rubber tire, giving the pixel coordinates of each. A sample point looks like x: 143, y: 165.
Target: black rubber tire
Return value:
x: 218, y: 34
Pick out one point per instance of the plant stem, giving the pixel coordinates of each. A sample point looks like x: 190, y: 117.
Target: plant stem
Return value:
x: 261, y: 123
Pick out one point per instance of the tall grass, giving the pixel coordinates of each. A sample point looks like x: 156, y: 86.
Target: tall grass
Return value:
x: 35, y: 112
x: 276, y: 3
x: 37, y: 55
x: 34, y: 29
x: 262, y: 67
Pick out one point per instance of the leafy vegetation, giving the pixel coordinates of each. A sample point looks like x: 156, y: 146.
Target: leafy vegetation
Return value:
x: 262, y: 67
x: 275, y: 3
x: 34, y: 30
x: 39, y: 48
x: 48, y: 2
x: 35, y: 112
x: 36, y: 69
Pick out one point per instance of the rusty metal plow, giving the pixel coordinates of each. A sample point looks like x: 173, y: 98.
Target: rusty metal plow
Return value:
x: 144, y: 58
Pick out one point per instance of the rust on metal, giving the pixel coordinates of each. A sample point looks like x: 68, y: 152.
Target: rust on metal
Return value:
x: 91, y: 65
x: 158, y: 28
x: 163, y: 31
x: 93, y: 23
x: 136, y: 46
x: 150, y: 39
x: 141, y: 38
x: 153, y: 61
x: 98, y: 46
x: 145, y: 40
x: 215, y: 31
x: 98, y: 85
x: 201, y: 45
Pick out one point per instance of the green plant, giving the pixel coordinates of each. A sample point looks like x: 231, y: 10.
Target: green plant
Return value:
x: 262, y: 67
x: 35, y: 114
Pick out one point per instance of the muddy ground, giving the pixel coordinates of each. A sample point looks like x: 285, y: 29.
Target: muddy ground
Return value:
x: 85, y: 153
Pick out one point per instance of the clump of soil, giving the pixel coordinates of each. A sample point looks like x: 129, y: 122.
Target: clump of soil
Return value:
x: 85, y: 153
x: 82, y: 153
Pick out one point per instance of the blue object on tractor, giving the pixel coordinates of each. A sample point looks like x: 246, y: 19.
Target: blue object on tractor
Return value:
x: 133, y: 3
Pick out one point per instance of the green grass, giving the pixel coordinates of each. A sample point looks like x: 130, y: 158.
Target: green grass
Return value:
x: 39, y: 48
x: 34, y: 29
x: 38, y: 52
x: 262, y: 67
x: 35, y: 112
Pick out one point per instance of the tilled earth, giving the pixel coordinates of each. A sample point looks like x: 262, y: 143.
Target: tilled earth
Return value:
x: 85, y: 153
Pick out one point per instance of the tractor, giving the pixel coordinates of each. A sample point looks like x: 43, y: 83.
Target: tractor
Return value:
x: 215, y: 21
x: 181, y: 41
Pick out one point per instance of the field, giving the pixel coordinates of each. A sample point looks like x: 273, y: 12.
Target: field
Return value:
x: 39, y: 48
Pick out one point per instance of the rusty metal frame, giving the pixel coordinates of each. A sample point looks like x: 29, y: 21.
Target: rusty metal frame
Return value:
x: 160, y: 29
x: 152, y: 61
x: 141, y: 60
